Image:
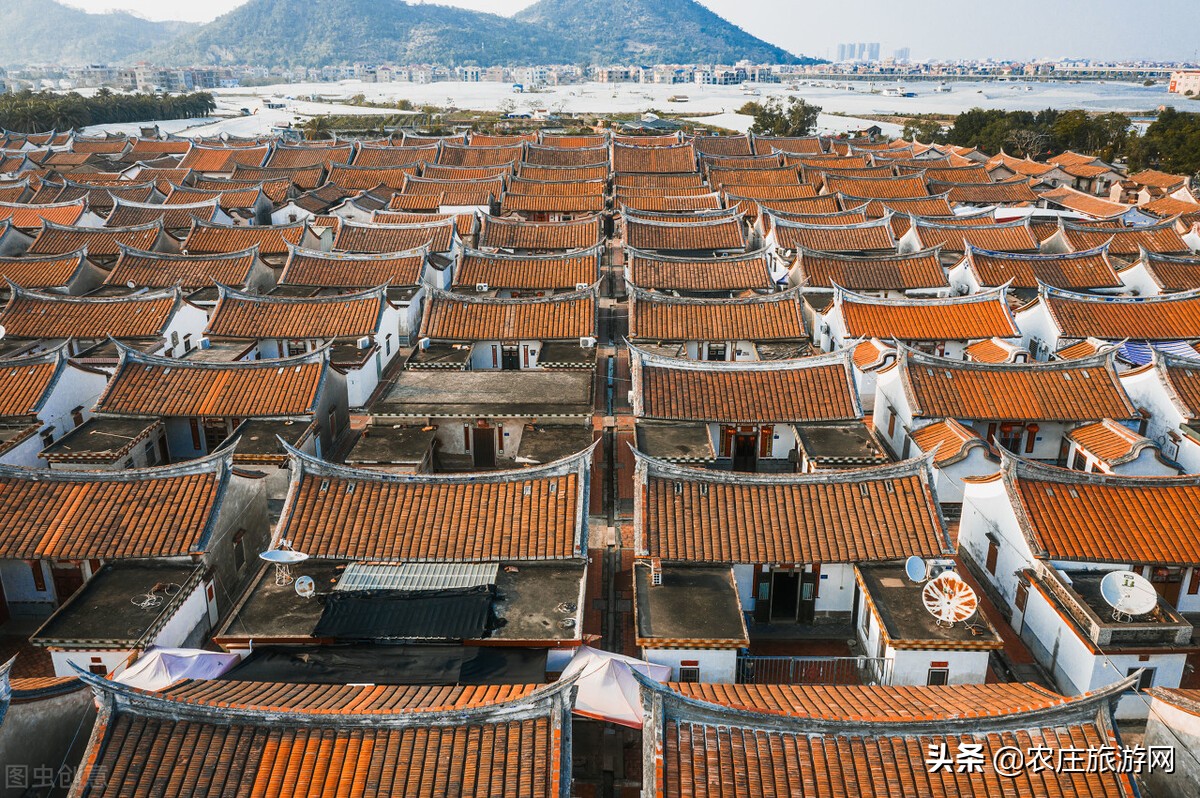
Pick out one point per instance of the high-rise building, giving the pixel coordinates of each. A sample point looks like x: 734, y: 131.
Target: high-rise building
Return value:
x: 873, y: 51
x: 902, y: 55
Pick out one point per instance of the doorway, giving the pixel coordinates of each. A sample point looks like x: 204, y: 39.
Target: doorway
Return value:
x: 483, y: 447
x: 510, y: 358
x: 808, y: 598
x: 67, y: 579
x: 745, y: 452
x: 785, y: 593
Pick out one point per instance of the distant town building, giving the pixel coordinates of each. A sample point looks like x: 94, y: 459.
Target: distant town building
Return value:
x: 1186, y: 82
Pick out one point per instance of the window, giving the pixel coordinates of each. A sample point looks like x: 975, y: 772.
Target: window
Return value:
x: 891, y: 422
x: 1080, y: 461
x: 1031, y: 438
x: 1194, y: 582
x: 151, y: 454
x: 1022, y: 595
x: 77, y: 416
x: 97, y: 667
x: 938, y: 676
x: 239, y: 549
x: 993, y: 554
x: 1146, y: 680
x: 39, y: 576
x: 47, y: 436
x: 387, y: 344
x: 1010, y: 437
x: 689, y: 673
x: 195, y: 425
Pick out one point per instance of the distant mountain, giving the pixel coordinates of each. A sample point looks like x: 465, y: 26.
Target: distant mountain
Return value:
x: 47, y: 32
x: 649, y: 32
x: 324, y: 32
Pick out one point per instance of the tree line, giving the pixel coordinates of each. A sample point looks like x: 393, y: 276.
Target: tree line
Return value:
x: 38, y: 112
x: 1171, y: 143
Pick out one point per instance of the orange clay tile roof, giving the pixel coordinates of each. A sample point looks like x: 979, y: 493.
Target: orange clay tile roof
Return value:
x: 993, y: 350
x: 458, y: 155
x: 810, y: 145
x: 877, y: 187
x: 871, y: 272
x: 31, y: 314
x: 712, y: 756
x: 826, y: 203
x: 464, y: 223
x: 250, y: 316
x: 1172, y: 272
x: 749, y: 271
x: 1080, y: 270
x: 871, y: 703
x: 965, y: 318
x: 546, y: 203
x: 836, y: 218
x: 1071, y: 157
x: 808, y: 389
x: 560, y: 173
x: 711, y: 235
x: 667, y: 203
x: 160, y: 270
x: 30, y: 217
x: 1070, y: 390
x: 848, y: 516
x: 688, y: 179
x: 950, y: 438
x: 360, y: 514
x: 864, y: 237
x: 1088, y: 204
x: 760, y: 317
x: 559, y: 140
x: 1185, y: 698
x: 511, y: 750
x: 759, y: 176
x: 1004, y: 237
x: 285, y: 156
x: 1168, y: 206
x: 1128, y: 242
x: 918, y: 206
x: 50, y: 271
x: 1086, y: 170
x: 499, y: 140
x: 213, y: 239
x: 565, y: 156
x: 304, y: 179
x: 629, y: 192
x: 278, y: 190
x: 1157, y: 179
x: 529, y: 272
x: 872, y: 354
x: 387, y: 157
x: 172, y: 217
x: 223, y: 159
x: 975, y: 173
x: 102, y: 242
x: 1002, y: 192
x: 147, y: 385
x: 1081, y: 349
x: 458, y: 317
x: 333, y: 699
x: 777, y: 193
x: 657, y: 160
x: 25, y: 381
x: 1168, y: 317
x: 437, y: 235
x: 740, y: 161
x: 428, y: 203
x: 1020, y: 166
x: 562, y: 188
x: 722, y: 145
x: 1083, y: 517
x: 1110, y: 441
x: 1183, y: 379
x: 504, y: 233
x: 657, y: 140
x: 345, y: 270
x: 154, y: 512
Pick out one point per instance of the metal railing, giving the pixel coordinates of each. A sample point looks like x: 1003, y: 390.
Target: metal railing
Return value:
x: 814, y: 670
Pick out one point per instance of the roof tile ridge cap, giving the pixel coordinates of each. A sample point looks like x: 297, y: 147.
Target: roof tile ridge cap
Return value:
x: 655, y: 360
x: 914, y: 466
x: 649, y: 254
x: 883, y: 221
x: 985, y: 295
x: 1042, y: 472
x: 217, y: 463
x: 639, y: 294
x: 232, y: 292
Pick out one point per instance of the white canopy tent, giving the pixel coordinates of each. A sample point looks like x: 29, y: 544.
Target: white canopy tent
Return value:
x: 159, y: 668
x: 606, y: 687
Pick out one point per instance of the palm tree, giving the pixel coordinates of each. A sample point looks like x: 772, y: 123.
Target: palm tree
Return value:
x: 316, y: 128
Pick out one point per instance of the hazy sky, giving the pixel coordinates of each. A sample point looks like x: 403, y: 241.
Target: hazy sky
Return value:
x: 1105, y: 29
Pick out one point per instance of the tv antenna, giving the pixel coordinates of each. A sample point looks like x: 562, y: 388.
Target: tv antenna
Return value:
x: 949, y: 599
x: 1128, y: 594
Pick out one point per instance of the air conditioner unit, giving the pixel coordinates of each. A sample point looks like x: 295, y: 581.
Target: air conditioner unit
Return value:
x: 587, y: 342
x: 481, y: 287
x: 424, y: 343
x: 364, y: 342
x: 582, y: 286
x: 205, y: 343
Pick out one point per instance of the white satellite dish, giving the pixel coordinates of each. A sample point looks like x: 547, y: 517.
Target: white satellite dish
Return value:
x: 949, y: 599
x: 283, y: 559
x: 1128, y: 594
x: 915, y: 569
x: 306, y: 587
x: 2, y: 331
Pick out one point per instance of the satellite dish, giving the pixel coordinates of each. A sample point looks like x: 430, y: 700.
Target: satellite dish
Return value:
x: 283, y: 556
x: 1128, y: 594
x: 2, y: 331
x: 949, y: 599
x: 306, y: 587
x: 915, y: 569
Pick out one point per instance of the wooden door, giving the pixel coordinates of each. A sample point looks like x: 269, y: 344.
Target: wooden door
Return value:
x: 483, y: 447
x: 67, y: 579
